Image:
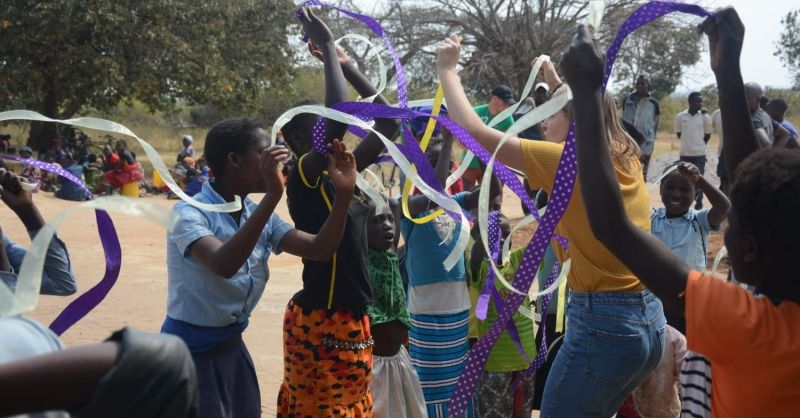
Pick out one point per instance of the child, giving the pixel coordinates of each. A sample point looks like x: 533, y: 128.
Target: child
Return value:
x: 326, y: 336
x: 67, y: 189
x: 188, y: 150
x: 438, y: 299
x: 395, y: 385
x: 494, y: 397
x: 747, y: 338
x: 93, y: 174
x: 57, y: 277
x: 217, y: 262
x: 613, y: 334
x: 684, y: 229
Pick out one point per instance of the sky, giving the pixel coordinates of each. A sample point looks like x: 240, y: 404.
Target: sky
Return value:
x: 762, y: 22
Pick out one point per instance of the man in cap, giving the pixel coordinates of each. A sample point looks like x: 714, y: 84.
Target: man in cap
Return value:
x: 187, y: 150
x: 643, y: 111
x: 502, y: 98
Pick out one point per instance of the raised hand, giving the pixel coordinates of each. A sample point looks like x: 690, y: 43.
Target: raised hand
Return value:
x: 725, y: 32
x: 12, y: 193
x: 317, y: 53
x: 689, y: 171
x: 341, y: 167
x: 268, y: 166
x: 583, y: 64
x: 314, y: 27
x: 447, y: 54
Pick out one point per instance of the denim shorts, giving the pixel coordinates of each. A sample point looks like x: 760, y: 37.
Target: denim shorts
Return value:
x: 613, y: 342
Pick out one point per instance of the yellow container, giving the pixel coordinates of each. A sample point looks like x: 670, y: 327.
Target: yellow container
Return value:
x: 131, y: 189
x: 157, y: 181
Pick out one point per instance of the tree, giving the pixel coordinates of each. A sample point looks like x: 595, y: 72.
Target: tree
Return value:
x: 788, y: 46
x: 500, y: 38
x: 64, y: 56
x: 662, y: 50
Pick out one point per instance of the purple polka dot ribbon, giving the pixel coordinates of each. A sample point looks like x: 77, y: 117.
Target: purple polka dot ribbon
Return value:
x: 112, y: 252
x: 493, y: 229
x: 562, y: 192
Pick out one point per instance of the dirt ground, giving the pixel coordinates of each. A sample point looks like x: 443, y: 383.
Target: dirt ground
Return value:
x: 139, y: 298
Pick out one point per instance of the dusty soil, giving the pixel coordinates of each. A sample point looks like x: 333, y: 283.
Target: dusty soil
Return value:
x: 139, y: 298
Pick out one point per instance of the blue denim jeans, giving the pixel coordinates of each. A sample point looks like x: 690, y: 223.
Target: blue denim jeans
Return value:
x: 613, y: 342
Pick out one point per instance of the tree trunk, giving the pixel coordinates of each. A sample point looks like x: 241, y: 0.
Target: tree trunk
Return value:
x: 42, y: 134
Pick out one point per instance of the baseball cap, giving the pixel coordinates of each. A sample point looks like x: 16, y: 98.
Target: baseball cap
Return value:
x: 505, y: 94
x: 542, y: 85
x: 188, y: 138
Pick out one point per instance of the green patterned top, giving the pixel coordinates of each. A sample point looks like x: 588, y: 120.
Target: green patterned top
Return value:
x: 388, y: 294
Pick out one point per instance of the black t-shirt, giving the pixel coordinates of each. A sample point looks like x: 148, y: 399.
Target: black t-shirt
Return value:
x: 309, y: 211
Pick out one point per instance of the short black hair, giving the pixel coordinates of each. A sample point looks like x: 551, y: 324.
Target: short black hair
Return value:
x: 230, y: 135
x: 694, y: 94
x: 779, y: 104
x: 765, y: 196
x: 300, y: 126
x: 91, y: 158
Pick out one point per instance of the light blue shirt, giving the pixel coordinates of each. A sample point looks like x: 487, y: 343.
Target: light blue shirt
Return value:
x: 425, y: 251
x: 23, y: 338
x: 196, y: 295
x: 57, y: 277
x: 686, y: 236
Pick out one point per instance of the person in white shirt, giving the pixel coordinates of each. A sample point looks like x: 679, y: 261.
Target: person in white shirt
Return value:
x: 693, y: 127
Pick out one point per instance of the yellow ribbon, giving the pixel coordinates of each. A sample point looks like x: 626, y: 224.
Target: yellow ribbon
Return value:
x: 423, y: 144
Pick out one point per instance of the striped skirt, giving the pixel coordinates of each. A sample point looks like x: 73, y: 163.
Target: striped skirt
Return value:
x: 438, y: 347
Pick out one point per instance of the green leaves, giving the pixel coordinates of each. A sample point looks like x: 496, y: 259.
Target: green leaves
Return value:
x: 788, y: 46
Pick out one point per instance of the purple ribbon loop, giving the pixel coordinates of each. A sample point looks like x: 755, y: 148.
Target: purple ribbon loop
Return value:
x: 112, y: 252
x: 482, y: 305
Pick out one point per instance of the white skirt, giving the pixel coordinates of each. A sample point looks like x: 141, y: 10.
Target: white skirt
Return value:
x: 396, y: 391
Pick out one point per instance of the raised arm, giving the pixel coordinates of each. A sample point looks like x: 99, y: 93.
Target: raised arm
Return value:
x: 367, y: 150
x: 719, y: 202
x: 322, y: 245
x: 725, y: 36
x: 57, y: 278
x: 460, y: 110
x: 655, y: 265
x: 335, y: 86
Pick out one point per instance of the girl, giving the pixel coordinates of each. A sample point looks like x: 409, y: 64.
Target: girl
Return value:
x: 615, y: 326
x: 326, y: 333
x: 719, y: 315
x: 217, y: 262
x: 128, y: 170
x: 438, y: 299
x: 494, y: 397
x: 395, y: 384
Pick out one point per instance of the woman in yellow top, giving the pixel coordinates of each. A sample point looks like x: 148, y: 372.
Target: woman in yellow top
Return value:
x: 615, y: 326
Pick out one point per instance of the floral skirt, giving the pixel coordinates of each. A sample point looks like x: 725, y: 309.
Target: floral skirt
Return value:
x: 327, y: 358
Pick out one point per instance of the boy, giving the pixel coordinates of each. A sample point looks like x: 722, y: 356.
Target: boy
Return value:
x: 748, y: 338
x: 693, y: 128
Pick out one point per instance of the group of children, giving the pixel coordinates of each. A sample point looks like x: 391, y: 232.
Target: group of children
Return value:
x: 360, y: 342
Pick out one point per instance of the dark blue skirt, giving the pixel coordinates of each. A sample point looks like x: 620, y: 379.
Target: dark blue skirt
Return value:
x: 227, y: 384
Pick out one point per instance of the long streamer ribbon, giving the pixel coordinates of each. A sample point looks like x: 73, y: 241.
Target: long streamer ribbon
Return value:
x: 562, y: 192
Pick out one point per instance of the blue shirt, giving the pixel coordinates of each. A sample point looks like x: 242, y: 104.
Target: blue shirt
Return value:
x: 425, y: 251
x: 57, y: 276
x: 70, y: 190
x: 197, y: 296
x: 686, y: 236
x: 789, y: 127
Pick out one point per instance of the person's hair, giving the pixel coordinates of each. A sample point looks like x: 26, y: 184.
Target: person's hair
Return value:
x: 229, y: 136
x: 763, y: 101
x: 673, y: 173
x: 693, y: 95
x: 765, y: 196
x: 91, y: 158
x: 644, y: 77
x: 300, y: 126
x: 623, y: 147
x: 779, y: 104
x: 122, y: 143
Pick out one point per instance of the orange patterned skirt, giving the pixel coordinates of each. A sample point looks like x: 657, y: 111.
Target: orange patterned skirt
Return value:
x: 327, y: 358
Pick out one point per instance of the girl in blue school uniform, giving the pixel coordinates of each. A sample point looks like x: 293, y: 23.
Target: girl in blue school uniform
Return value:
x: 217, y: 262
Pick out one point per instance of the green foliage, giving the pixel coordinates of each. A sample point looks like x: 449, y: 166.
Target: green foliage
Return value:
x: 662, y: 50
x: 788, y: 46
x: 63, y: 56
